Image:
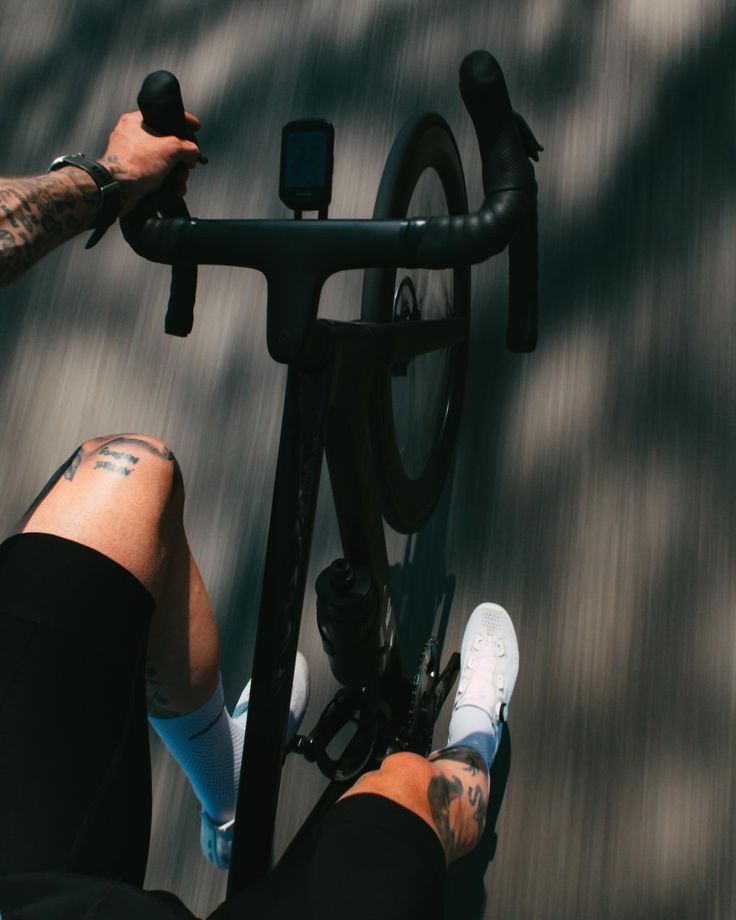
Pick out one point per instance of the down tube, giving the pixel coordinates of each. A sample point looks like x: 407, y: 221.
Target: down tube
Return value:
x: 287, y: 558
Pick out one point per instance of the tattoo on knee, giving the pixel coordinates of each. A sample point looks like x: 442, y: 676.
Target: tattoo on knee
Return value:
x: 123, y: 457
x: 73, y: 465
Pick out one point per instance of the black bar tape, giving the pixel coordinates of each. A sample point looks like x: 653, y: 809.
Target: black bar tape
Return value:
x: 484, y: 92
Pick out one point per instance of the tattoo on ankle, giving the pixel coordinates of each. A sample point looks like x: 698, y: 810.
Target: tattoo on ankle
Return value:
x: 441, y: 793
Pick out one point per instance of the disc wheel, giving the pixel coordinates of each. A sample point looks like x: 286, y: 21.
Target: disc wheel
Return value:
x: 415, y: 411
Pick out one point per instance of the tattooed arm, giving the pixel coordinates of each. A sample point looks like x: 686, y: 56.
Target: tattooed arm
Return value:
x: 39, y: 213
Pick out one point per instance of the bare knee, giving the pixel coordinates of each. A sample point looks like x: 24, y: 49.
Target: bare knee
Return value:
x: 119, y: 494
x: 403, y: 777
x: 408, y: 767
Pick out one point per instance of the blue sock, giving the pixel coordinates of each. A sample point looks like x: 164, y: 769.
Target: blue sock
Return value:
x: 208, y: 746
x: 472, y: 727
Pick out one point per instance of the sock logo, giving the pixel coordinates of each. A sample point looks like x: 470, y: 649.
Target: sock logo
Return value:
x: 207, y: 727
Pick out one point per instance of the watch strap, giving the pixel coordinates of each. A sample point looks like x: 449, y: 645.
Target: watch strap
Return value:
x: 107, y: 185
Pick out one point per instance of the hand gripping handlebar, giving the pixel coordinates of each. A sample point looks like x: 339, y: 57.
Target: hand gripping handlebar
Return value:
x: 161, y: 106
x: 317, y: 249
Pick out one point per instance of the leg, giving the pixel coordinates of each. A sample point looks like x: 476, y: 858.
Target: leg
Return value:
x: 124, y: 497
x: 101, y: 546
x: 415, y: 815
x: 74, y: 765
x: 449, y: 792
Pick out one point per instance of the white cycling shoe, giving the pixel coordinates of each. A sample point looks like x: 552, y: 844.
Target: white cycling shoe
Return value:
x: 489, y: 666
x: 217, y: 840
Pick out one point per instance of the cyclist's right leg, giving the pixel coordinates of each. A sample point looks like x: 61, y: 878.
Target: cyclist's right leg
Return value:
x: 382, y: 850
x: 449, y: 790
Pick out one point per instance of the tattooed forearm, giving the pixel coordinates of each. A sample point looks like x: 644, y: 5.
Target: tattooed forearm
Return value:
x: 37, y: 214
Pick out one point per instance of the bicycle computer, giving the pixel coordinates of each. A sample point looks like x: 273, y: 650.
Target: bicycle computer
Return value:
x: 305, y: 182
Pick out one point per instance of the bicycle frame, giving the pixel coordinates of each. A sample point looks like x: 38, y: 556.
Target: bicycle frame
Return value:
x: 325, y: 409
x: 331, y: 369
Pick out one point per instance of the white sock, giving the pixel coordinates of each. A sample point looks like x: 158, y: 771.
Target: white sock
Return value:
x: 208, y: 746
x: 208, y: 743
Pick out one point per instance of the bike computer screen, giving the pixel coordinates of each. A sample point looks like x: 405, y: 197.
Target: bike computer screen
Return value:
x: 306, y: 164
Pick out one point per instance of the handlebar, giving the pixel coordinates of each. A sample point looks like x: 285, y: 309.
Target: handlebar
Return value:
x: 317, y: 249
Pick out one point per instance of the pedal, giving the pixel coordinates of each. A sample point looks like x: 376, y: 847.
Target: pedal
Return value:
x: 430, y: 692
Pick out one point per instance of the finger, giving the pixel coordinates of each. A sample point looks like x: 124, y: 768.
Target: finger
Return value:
x: 181, y: 175
x: 193, y: 121
x: 188, y: 154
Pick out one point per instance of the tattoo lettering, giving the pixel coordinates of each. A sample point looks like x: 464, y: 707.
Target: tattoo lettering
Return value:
x: 118, y: 455
x: 112, y: 467
x: 144, y: 445
x: 162, y: 454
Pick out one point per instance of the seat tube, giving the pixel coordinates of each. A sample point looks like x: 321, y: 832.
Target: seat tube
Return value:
x: 357, y: 504
x: 287, y: 558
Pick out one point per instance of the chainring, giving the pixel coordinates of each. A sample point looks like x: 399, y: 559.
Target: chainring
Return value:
x: 420, y: 721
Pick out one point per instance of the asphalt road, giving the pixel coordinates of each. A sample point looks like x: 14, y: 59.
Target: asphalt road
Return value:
x: 594, y: 484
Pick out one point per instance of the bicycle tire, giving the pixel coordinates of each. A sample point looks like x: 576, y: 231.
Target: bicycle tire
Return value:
x: 408, y: 497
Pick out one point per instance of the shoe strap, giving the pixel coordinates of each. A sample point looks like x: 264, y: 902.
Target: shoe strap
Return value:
x: 216, y: 840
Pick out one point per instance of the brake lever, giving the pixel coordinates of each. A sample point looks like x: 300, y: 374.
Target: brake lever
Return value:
x: 532, y: 147
x: 161, y: 106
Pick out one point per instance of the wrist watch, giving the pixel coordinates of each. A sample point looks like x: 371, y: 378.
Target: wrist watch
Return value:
x: 109, y: 189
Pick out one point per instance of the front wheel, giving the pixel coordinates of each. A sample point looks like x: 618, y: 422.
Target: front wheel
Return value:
x: 415, y: 407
